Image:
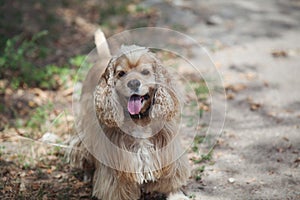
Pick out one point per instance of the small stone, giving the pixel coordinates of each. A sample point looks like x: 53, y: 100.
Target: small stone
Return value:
x: 214, y: 20
x: 50, y: 138
x: 231, y: 180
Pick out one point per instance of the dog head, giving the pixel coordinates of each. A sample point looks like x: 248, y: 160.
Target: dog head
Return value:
x: 135, y: 85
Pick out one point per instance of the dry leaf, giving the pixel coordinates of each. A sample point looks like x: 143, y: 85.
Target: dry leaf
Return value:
x: 236, y: 87
x: 254, y: 106
x: 230, y: 96
x: 279, y: 53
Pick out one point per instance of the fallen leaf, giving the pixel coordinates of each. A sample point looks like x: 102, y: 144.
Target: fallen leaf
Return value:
x: 279, y: 53
x: 230, y: 96
x: 286, y: 139
x: 254, y: 106
x: 250, y: 76
x: 236, y: 87
x: 68, y: 92
x: 35, y: 186
x: 32, y: 104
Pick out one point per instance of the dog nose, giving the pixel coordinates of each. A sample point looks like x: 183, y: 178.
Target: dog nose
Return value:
x: 134, y: 84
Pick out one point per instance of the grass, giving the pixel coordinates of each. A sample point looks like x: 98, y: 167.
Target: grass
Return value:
x: 18, y: 64
x: 40, y: 116
x: 200, y: 88
x: 197, y: 141
x: 199, y: 158
x: 202, y: 158
x: 2, y: 150
x: 192, y: 196
x: 198, y: 173
x: 201, y: 91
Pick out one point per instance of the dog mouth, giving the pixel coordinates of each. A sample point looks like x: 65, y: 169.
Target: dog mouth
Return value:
x: 136, y: 102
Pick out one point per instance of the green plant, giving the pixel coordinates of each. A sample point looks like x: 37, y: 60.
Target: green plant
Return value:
x: 198, y: 173
x: 197, y: 140
x: 39, y: 116
x: 200, y: 88
x: 114, y: 8
x: 18, y: 52
x: 18, y: 64
x: 77, y: 61
x: 192, y: 196
x: 52, y: 76
x: 2, y: 150
x: 202, y: 158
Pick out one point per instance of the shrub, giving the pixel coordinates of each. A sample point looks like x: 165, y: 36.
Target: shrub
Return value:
x: 18, y: 64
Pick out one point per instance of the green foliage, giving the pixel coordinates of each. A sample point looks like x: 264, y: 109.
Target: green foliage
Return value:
x: 179, y: 27
x: 17, y: 64
x: 2, y: 150
x: 52, y: 76
x: 18, y: 51
x: 197, y: 140
x: 40, y: 116
x: 114, y: 8
x: 200, y: 88
x: 77, y: 60
x: 203, y: 158
x: 198, y: 173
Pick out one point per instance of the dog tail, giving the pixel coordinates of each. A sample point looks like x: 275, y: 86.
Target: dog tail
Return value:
x: 101, y: 44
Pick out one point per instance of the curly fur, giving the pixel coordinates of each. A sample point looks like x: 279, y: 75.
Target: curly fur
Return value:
x: 146, y: 163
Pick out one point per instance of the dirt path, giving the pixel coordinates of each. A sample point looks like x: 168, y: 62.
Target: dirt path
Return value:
x: 256, y: 50
x: 255, y: 46
x: 258, y: 156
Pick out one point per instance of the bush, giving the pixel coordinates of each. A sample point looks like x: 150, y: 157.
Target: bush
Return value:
x: 17, y: 64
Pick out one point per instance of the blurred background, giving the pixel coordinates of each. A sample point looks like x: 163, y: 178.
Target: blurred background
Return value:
x: 43, y: 43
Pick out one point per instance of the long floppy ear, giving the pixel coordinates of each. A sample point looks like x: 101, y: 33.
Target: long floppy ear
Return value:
x: 108, y: 109
x: 166, y: 100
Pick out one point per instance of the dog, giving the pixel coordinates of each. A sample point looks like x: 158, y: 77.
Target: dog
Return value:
x: 128, y: 138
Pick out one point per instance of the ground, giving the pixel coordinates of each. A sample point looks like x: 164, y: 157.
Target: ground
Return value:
x: 253, y: 44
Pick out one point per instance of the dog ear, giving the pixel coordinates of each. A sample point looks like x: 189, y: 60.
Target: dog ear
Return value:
x: 108, y: 109
x: 166, y: 101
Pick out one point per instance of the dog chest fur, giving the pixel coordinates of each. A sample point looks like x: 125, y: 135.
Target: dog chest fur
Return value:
x: 145, y: 161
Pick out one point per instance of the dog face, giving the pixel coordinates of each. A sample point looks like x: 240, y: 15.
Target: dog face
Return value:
x: 135, y: 84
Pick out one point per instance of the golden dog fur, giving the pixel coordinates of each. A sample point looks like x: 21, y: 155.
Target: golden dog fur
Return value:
x: 131, y: 153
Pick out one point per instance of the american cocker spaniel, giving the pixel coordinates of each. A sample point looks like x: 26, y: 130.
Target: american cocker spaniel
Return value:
x: 128, y: 129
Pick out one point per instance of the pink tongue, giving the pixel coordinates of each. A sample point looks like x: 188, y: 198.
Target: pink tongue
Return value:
x: 134, y: 105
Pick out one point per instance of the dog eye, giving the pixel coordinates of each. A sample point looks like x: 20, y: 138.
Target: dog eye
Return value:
x: 120, y: 74
x: 145, y: 72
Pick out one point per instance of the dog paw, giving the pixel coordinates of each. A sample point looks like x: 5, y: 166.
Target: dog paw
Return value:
x: 177, y: 196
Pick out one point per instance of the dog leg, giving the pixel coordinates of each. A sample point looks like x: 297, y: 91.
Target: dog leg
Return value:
x: 79, y: 157
x: 174, y: 177
x: 108, y: 185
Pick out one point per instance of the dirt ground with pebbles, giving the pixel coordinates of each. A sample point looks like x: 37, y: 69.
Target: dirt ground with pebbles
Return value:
x: 255, y: 47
